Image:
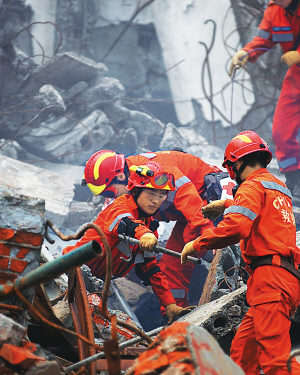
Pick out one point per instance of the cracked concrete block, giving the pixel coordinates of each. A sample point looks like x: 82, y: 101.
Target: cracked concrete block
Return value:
x: 10, y: 331
x: 32, y: 181
x: 102, y: 91
x: 147, y: 127
x: 63, y: 70
x: 172, y: 138
x: 115, y: 112
x: 223, y: 276
x: 219, y: 317
x: 51, y: 99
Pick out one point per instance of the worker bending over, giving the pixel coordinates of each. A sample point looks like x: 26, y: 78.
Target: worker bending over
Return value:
x: 261, y: 218
x: 106, y: 173
x: 131, y: 214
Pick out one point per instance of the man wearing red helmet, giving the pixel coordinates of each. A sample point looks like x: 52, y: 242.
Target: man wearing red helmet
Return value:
x: 106, y: 173
x: 261, y: 218
x: 281, y: 24
x: 131, y: 214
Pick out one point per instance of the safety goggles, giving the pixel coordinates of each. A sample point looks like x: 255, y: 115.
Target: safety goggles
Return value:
x: 154, y: 194
x: 157, y: 180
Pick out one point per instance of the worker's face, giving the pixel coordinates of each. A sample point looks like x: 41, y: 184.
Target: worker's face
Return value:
x: 283, y: 3
x: 150, y: 200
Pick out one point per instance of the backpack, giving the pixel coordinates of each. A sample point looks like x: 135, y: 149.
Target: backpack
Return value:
x: 218, y: 186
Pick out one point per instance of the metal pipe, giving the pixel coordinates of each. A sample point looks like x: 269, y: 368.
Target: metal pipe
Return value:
x: 53, y: 269
x: 159, y: 249
x: 87, y: 361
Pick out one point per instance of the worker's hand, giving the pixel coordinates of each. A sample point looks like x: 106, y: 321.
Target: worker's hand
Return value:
x: 173, y: 311
x: 290, y: 58
x: 239, y: 60
x: 187, y: 250
x: 214, y: 209
x: 147, y: 242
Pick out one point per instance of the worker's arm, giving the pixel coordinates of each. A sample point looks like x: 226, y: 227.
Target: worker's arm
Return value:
x: 236, y: 224
x: 264, y: 38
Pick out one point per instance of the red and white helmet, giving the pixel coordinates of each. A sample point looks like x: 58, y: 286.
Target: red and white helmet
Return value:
x: 101, y: 171
x: 245, y: 143
x: 151, y: 176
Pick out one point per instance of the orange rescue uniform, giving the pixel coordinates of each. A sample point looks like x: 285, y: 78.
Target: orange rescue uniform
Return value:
x: 261, y: 218
x: 282, y: 26
x: 183, y: 206
x: 108, y: 220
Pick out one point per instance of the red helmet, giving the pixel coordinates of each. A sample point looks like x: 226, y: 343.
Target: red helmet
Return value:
x: 245, y: 143
x: 100, y: 171
x: 151, y: 175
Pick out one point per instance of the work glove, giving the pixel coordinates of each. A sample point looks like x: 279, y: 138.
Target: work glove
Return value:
x: 147, y: 242
x: 173, y: 311
x: 239, y: 60
x: 290, y: 58
x: 187, y: 250
x: 214, y: 209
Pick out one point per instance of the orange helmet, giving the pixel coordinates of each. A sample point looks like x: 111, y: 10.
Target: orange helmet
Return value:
x: 245, y: 143
x: 152, y: 176
x: 101, y: 171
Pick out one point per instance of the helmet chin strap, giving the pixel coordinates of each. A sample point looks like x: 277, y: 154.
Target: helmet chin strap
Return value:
x: 239, y: 172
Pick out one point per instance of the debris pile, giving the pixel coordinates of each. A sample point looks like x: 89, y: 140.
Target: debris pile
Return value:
x: 184, y: 348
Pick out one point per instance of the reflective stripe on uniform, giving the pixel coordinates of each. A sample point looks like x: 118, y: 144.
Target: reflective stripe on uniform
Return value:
x: 171, y: 195
x: 241, y: 210
x: 283, y: 37
x: 182, y: 181
x: 263, y: 34
x: 113, y: 224
x: 178, y: 293
x: 287, y: 162
x: 274, y: 186
x: 140, y: 257
x: 149, y: 155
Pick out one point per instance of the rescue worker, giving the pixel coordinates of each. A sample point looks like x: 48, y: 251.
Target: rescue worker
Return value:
x: 281, y: 24
x: 261, y: 218
x: 107, y: 172
x: 131, y: 214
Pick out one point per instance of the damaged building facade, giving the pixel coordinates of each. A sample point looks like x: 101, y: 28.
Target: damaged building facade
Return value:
x: 80, y: 76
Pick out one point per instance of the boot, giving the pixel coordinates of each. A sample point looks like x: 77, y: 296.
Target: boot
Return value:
x: 293, y: 183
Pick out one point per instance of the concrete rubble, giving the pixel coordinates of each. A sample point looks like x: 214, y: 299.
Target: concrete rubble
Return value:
x: 220, y: 316
x: 55, y: 114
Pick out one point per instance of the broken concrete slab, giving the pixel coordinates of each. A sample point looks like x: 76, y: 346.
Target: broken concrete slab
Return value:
x: 10, y: 331
x: 184, y: 348
x: 63, y: 70
x: 73, y: 141
x: 102, y: 91
x: 115, y: 111
x: 223, y: 276
x: 148, y: 128
x: 32, y: 181
x: 219, y: 317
